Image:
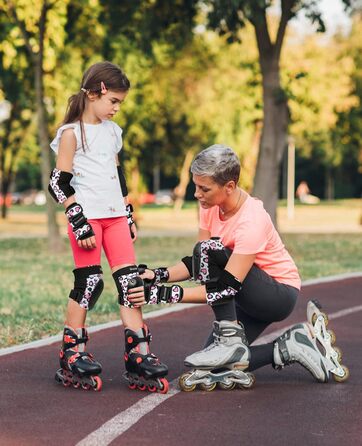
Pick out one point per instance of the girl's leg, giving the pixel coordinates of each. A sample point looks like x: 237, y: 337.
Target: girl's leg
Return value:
x: 75, y: 314
x: 142, y: 368
x: 78, y: 367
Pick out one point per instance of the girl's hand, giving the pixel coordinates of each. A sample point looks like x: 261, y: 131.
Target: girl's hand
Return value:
x: 88, y: 243
x: 133, y: 229
x: 137, y: 296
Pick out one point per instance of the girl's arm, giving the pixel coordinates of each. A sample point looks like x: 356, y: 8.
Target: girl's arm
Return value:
x: 66, y: 151
x: 129, y: 208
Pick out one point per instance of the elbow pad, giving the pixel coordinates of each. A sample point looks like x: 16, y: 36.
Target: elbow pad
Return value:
x: 59, y: 185
x: 224, y: 287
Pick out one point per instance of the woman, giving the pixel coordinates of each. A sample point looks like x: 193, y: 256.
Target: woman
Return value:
x: 257, y: 283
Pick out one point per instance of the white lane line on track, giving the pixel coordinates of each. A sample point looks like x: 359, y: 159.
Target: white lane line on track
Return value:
x: 117, y: 425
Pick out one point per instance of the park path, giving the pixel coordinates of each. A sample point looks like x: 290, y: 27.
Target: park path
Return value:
x: 286, y: 407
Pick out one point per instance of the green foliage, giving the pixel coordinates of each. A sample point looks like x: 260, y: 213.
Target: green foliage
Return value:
x: 190, y: 87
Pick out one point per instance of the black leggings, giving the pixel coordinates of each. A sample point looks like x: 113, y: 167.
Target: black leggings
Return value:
x: 261, y: 301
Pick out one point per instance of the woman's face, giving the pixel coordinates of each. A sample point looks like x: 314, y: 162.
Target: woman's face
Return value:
x: 207, y: 192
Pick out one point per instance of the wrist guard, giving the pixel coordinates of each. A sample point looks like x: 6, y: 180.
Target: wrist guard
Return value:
x: 161, y: 294
x: 223, y: 287
x: 161, y: 274
x: 129, y: 214
x: 81, y: 228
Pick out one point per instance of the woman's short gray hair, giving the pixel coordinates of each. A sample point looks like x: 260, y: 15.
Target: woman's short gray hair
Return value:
x: 218, y: 162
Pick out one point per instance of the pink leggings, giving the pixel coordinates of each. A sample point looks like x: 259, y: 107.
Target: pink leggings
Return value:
x: 111, y: 233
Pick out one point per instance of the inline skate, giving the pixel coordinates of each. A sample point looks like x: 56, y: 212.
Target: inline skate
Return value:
x: 143, y: 369
x: 324, y: 340
x: 78, y: 368
x: 222, y: 363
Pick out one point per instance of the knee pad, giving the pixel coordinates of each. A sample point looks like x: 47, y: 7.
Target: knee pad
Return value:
x: 125, y: 278
x: 209, y: 257
x: 88, y: 286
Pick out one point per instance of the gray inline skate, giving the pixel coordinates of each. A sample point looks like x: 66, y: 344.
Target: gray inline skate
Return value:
x: 222, y: 363
x: 324, y: 340
x: 297, y: 345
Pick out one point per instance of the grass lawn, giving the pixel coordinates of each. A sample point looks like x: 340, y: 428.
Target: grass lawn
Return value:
x: 34, y: 285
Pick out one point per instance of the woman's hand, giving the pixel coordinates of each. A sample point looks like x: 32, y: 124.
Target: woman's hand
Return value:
x: 148, y: 274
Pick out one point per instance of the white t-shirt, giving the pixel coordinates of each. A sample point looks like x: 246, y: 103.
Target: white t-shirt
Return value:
x: 95, y: 177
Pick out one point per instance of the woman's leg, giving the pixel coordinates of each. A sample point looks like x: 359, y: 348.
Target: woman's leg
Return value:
x: 262, y: 301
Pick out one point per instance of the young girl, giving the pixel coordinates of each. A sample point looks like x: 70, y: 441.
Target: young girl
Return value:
x: 89, y: 183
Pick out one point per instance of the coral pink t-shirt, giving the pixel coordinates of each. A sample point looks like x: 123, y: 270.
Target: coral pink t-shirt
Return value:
x: 251, y: 231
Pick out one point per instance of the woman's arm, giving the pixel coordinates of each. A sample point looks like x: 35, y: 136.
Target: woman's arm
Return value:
x: 238, y: 265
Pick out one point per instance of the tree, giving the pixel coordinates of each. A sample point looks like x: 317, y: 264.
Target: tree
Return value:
x: 227, y: 17
x: 30, y: 30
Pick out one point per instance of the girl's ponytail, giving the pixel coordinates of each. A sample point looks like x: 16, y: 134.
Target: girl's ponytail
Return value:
x: 75, y: 109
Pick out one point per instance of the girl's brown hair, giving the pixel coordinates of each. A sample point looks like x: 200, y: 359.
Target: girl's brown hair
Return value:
x: 102, y: 72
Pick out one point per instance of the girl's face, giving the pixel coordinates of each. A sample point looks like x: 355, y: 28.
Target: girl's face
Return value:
x: 107, y: 105
x: 209, y: 193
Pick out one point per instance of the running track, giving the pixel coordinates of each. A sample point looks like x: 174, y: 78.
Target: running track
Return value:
x: 284, y: 408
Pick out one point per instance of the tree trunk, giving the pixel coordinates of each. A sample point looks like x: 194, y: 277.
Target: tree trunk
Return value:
x: 55, y: 243
x: 329, y: 184
x: 180, y: 189
x: 273, y: 137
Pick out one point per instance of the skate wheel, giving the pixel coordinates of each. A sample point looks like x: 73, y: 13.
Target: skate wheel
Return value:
x: 76, y: 385
x: 85, y: 386
x: 164, y: 384
x: 207, y: 387
x: 229, y: 386
x: 141, y: 387
x: 341, y: 379
x: 66, y: 383
x: 98, y: 384
x: 151, y: 388
x: 333, y: 336
x: 315, y: 317
x: 339, y: 353
x: 182, y: 383
x: 250, y: 384
x: 132, y: 386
